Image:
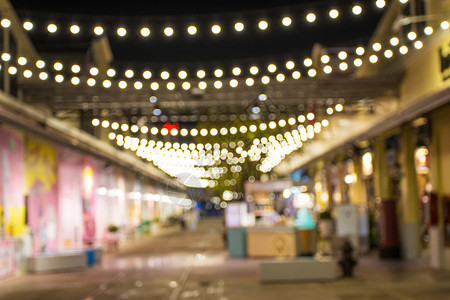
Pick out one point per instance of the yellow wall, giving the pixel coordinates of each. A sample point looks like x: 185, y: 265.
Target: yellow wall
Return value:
x: 423, y: 76
x: 441, y: 124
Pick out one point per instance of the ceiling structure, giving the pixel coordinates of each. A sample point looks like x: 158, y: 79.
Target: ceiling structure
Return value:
x: 307, y: 54
x: 202, y: 51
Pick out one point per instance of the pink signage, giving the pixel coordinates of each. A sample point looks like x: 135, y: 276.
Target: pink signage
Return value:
x: 12, y: 208
x: 41, y: 188
x: 70, y: 214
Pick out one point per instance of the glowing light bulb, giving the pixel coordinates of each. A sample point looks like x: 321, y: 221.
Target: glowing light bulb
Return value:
x: 186, y: 85
x: 239, y: 26
x: 182, y: 74
x: 75, y: 29
x: 192, y: 30
x: 311, y: 17
x: 147, y: 74
x: 216, y: 29
x: 360, y: 51
x: 342, y: 55
x: 168, y: 31
x: 334, y: 13
x: 263, y: 25
x: 325, y: 59
x: 286, y: 21
x: 52, y: 28
x: 412, y: 35
x: 91, y: 82
x: 76, y: 69
x: 380, y: 3
x: 254, y: 70
x: 94, y: 71
x: 388, y: 53
x: 122, y: 84
x: 121, y: 32
x: 201, y: 74
x: 290, y: 65
x: 170, y: 86
x: 145, y: 31
x: 154, y: 86
x: 22, y: 61
x: 376, y: 47
x: 271, y: 68
x: 280, y: 77
x: 58, y: 66
x: 75, y: 80
x: 218, y: 73
x: 418, y: 44
x: 308, y: 62
x: 428, y: 30
x: 107, y: 84
x: 98, y: 30
x: 265, y: 79
x: 28, y: 26
x: 111, y: 72
x: 394, y: 41
x: 403, y: 50
x: 165, y: 75
x: 373, y: 58
x: 27, y: 73
x: 312, y: 73
x: 129, y: 73
x: 357, y: 10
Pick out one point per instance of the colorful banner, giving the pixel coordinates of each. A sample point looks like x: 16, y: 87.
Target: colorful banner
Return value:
x: 40, y: 178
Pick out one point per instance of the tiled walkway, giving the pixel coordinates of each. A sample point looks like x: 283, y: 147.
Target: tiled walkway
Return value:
x: 195, y: 265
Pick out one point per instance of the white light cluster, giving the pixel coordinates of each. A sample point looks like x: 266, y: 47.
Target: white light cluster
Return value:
x: 213, y: 131
x: 197, y: 165
x: 279, y: 147
x: 135, y: 195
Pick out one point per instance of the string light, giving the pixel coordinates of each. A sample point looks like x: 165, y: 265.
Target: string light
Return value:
x: 52, y: 28
x: 311, y: 17
x: 75, y: 29
x: 145, y: 31
x: 28, y: 26
x: 216, y: 29
x: 357, y: 10
x: 75, y: 80
x: 263, y: 25
x: 239, y: 26
x: 342, y: 55
x: 98, y: 30
x: 287, y: 21
x: 334, y: 13
x: 168, y: 31
x: 192, y: 30
x: 394, y: 41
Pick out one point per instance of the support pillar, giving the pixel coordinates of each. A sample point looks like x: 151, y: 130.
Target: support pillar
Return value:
x: 439, y: 171
x: 389, y: 244
x: 410, y: 222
